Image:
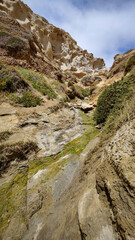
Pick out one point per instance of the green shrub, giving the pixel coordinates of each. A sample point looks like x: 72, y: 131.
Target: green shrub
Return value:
x: 15, y: 42
x: 130, y: 64
x: 110, y: 101
x: 38, y: 82
x: 5, y: 78
x: 64, y: 99
x: 28, y: 99
x: 70, y: 84
x: 10, y: 80
x: 114, y: 122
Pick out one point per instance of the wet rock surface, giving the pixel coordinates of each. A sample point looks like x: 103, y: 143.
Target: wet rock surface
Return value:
x: 58, y: 180
x: 100, y: 196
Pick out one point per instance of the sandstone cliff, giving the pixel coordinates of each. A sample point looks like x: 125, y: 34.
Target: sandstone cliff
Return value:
x: 51, y: 42
x: 120, y: 60
x: 62, y: 176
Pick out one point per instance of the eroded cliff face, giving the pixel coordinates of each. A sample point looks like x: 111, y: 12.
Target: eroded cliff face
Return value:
x: 118, y: 67
x: 59, y: 178
x: 53, y: 43
x: 115, y: 181
x: 99, y: 201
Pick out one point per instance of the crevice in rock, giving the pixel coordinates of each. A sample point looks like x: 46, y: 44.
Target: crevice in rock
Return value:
x: 117, y: 226
x: 82, y: 234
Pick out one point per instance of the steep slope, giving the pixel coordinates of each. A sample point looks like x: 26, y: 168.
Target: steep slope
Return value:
x: 54, y: 43
x: 120, y: 61
x: 62, y: 176
x: 122, y: 65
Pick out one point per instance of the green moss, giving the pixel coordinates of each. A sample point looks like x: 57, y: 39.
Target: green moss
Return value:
x: 111, y: 100
x: 87, y: 119
x: 38, y: 82
x: 78, y: 145
x: 75, y: 148
x: 13, y: 199
x: 13, y: 195
x: 130, y: 64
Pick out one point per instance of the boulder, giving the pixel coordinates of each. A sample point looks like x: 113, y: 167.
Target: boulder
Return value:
x: 88, y: 80
x: 84, y: 106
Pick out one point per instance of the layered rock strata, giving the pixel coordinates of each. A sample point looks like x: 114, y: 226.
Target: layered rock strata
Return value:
x: 51, y: 42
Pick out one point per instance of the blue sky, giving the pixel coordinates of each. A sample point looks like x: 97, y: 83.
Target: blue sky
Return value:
x: 103, y: 27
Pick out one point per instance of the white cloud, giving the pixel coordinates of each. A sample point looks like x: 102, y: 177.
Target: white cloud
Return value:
x: 103, y: 30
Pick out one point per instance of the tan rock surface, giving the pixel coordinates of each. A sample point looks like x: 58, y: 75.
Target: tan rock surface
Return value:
x: 54, y: 43
x: 67, y: 196
x: 120, y: 60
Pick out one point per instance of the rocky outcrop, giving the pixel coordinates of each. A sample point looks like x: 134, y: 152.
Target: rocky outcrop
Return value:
x: 49, y: 42
x: 102, y: 205
x: 85, y: 107
x: 120, y: 60
x: 115, y: 181
x: 20, y: 47
x: 58, y: 178
x: 38, y: 124
x: 89, y: 80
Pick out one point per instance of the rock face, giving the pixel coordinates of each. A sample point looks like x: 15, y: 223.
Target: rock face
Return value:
x: 120, y: 61
x: 115, y: 181
x: 20, y: 47
x: 49, y: 135
x: 57, y: 45
x: 102, y: 205
x: 58, y: 178
x: 89, y: 80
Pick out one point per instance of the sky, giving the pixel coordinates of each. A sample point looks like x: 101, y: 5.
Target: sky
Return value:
x: 103, y: 27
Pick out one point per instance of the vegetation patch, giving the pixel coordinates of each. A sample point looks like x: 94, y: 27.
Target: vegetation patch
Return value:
x: 10, y: 80
x: 114, y: 122
x: 111, y: 100
x: 58, y: 87
x: 130, y: 64
x: 13, y: 195
x: 84, y: 91
x: 28, y: 99
x: 75, y: 148
x: 14, y: 42
x: 64, y: 99
x: 38, y: 82
x: 13, y: 200
x: 18, y: 152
